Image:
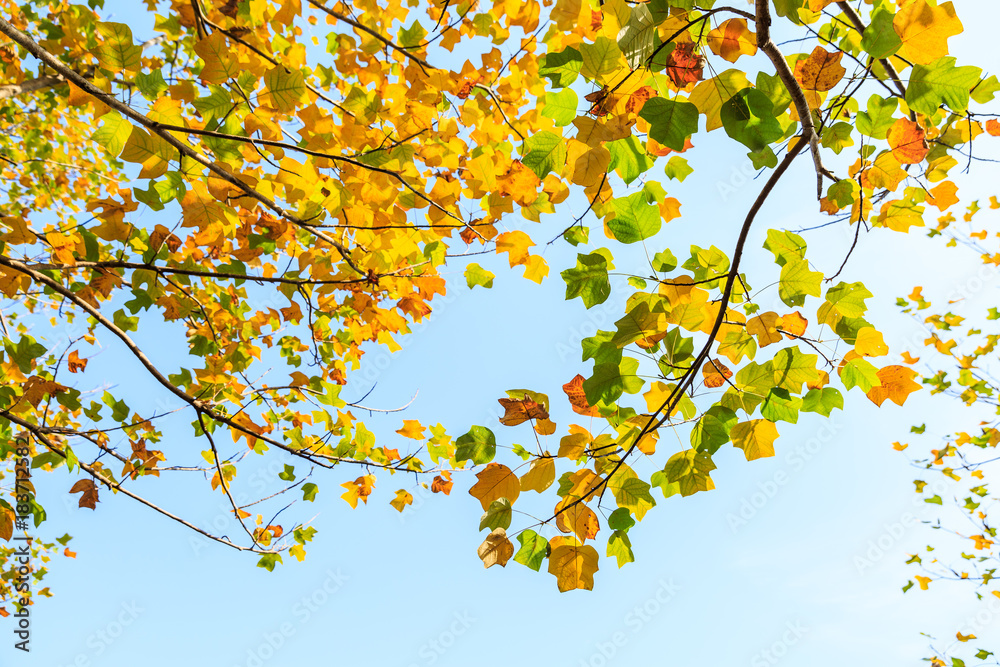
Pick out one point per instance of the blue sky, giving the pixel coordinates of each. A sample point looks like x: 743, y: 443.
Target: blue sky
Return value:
x: 780, y: 584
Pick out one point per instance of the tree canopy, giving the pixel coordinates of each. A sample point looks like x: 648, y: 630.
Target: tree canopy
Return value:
x: 271, y: 189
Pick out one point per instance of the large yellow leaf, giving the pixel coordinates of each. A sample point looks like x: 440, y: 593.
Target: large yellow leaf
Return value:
x: 572, y: 564
x: 925, y: 30
x: 755, y: 437
x: 495, y: 481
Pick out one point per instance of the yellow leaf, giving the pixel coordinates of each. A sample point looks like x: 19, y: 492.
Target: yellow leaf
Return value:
x: 925, y: 29
x: 572, y: 564
x: 360, y: 488
x: 541, y: 475
x: 402, y: 499
x: 765, y: 328
x: 412, y: 429
x: 870, y: 343
x: 495, y: 481
x: 755, y: 437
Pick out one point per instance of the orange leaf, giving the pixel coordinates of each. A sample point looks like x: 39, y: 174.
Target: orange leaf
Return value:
x: 993, y: 127
x: 577, y: 518
x: 821, y: 71
x: 684, y: 66
x: 75, y: 363
x: 442, y: 483
x: 577, y: 398
x: 732, y: 39
x: 908, y: 141
x: 794, y: 324
x: 897, y: 384
x: 519, y: 183
x: 715, y: 373
x: 412, y: 429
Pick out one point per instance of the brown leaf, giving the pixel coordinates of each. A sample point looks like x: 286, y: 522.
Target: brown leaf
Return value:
x: 684, y: 66
x: 520, y: 411
x: 89, y: 491
x: 496, y: 549
x: 821, y: 71
x: 75, y: 363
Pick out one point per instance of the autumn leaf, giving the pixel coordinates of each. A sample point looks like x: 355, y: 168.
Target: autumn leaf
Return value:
x: 820, y: 72
x: 573, y: 516
x: 715, y: 373
x: 359, y: 489
x: 75, y: 363
x: 496, y: 549
x: 442, y: 483
x: 684, y: 66
x: 495, y: 481
x: 520, y: 411
x: 907, y: 140
x: 402, y: 499
x: 924, y: 30
x: 897, y: 384
x: 755, y: 437
x: 732, y: 39
x: 88, y: 489
x: 577, y: 397
x: 572, y: 564
x: 540, y: 476
x: 412, y: 429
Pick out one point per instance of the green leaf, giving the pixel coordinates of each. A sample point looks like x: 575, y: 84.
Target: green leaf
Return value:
x: 635, y: 219
x: 797, y: 281
x: 268, y: 561
x: 497, y: 516
x: 860, y: 373
x: 677, y: 168
x: 786, y: 246
x: 561, y: 107
x: 848, y: 299
x: 879, y: 118
x: 151, y: 85
x: 609, y: 381
x: 880, y: 39
x: 664, y: 261
x: 533, y: 549
x: 477, y: 275
x: 628, y: 158
x: 620, y: 547
x: 544, y: 152
x: 479, y: 445
x: 117, y: 52
x: 792, y: 369
x: 561, y: 68
x: 637, y: 38
x: 25, y: 352
x: 589, y: 280
x: 309, y: 491
x: 823, y: 401
x: 621, y: 519
x: 670, y: 122
x: 712, y: 430
x: 941, y: 82
x: 113, y: 133
x: 779, y: 405
x: 632, y: 494
x: 288, y: 474
x: 748, y: 117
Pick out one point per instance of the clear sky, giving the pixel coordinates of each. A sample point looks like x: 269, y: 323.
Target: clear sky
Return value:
x: 763, y: 570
